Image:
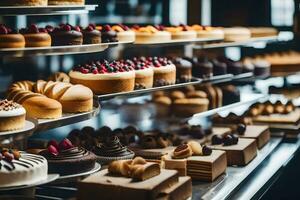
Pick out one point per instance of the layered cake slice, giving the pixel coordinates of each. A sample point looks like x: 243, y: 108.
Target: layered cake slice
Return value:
x: 239, y: 151
x: 134, y: 179
x: 200, y: 163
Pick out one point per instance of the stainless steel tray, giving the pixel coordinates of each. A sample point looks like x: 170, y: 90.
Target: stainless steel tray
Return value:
x: 76, y: 177
x: 46, y: 10
x: 57, y: 50
x: 250, y: 42
x: 50, y: 178
x: 145, y: 91
x: 178, y: 42
x: 68, y: 118
x: 225, y: 185
x: 28, y: 130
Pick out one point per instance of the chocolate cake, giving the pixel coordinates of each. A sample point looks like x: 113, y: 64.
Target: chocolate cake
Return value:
x: 219, y: 68
x: 203, y: 68
x: 183, y: 70
x: 65, y: 34
x: 108, y: 35
x: 91, y: 35
x: 66, y: 159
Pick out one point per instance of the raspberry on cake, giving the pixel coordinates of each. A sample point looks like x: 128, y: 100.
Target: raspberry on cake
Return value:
x: 182, y: 32
x: 91, y: 35
x: 107, y: 34
x: 164, y: 71
x: 10, y: 38
x: 124, y: 34
x: 65, y: 34
x: 151, y: 34
x: 36, y: 37
x: 103, y: 77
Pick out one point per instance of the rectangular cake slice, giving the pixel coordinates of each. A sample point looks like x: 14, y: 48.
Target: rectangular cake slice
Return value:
x: 102, y: 185
x: 180, y: 191
x: 260, y: 133
x: 239, y: 154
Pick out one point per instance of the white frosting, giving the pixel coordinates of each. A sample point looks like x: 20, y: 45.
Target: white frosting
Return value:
x: 21, y: 175
x: 165, y: 69
x: 144, y: 72
x: 13, y: 113
x: 107, y: 76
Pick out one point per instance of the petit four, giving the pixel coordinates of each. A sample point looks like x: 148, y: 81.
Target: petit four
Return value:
x: 36, y: 37
x: 12, y: 116
x: 10, y: 38
x: 20, y: 168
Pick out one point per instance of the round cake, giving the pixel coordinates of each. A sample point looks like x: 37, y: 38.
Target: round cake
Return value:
x: 65, y: 34
x: 12, y: 116
x: 107, y: 34
x: 188, y: 107
x: 23, y: 2
x: 104, y: 77
x: 203, y: 68
x: 164, y: 72
x: 182, y: 32
x: 183, y: 70
x: 151, y: 34
x: 66, y: 2
x: 208, y: 32
x: 20, y: 168
x: 236, y: 34
x: 65, y: 159
x: 91, y: 35
x: 36, y: 37
x: 124, y: 34
x: 11, y: 38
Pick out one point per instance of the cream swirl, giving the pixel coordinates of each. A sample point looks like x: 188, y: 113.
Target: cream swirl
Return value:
x: 112, y: 147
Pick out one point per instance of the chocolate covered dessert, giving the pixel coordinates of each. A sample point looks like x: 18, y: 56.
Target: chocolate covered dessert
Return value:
x: 203, y: 68
x: 183, y: 70
x: 65, y: 159
x: 108, y: 34
x: 91, y: 35
x: 65, y: 34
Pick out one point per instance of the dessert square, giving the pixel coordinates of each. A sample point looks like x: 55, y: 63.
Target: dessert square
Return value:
x: 182, y: 189
x: 102, y: 185
x: 292, y: 118
x: 260, y: 133
x: 239, y: 154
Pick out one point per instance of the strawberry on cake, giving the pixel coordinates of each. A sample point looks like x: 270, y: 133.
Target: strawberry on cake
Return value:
x: 10, y: 38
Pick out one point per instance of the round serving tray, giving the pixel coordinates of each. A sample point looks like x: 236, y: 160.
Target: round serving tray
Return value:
x: 28, y: 130
x: 76, y: 177
x: 50, y: 178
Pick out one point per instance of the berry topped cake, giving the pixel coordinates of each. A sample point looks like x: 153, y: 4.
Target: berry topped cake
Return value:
x: 64, y: 158
x: 104, y: 77
x: 108, y: 34
x: 164, y: 71
x: 20, y: 168
x: 36, y: 37
x: 10, y: 38
x: 65, y: 34
x: 91, y: 35
x: 124, y: 33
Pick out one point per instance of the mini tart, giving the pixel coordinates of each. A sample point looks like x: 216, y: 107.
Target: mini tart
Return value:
x: 150, y: 34
x: 12, y: 41
x: 12, y: 116
x: 189, y: 107
x: 105, y: 83
x: 144, y: 78
x: 124, y: 34
x: 164, y: 75
x: 66, y: 2
x: 24, y: 3
x: 208, y: 32
x: 179, y: 33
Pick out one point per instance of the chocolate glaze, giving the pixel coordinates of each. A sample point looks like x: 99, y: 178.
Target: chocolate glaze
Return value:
x: 61, y: 38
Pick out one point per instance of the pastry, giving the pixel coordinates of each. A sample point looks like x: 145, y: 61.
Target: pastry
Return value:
x: 12, y: 116
x: 10, y: 38
x: 203, y: 68
x: 106, y: 186
x: 183, y: 70
x: 110, y: 149
x: 24, y: 2
x: 124, y: 33
x: 176, y: 94
x: 91, y: 35
x: 189, y: 107
x: 20, y: 168
x: 151, y: 34
x: 65, y: 34
x: 104, y: 77
x: 181, y: 32
x: 65, y: 159
x: 262, y: 68
x: 208, y: 32
x: 66, y: 2
x: 239, y: 152
x: 236, y: 34
x: 219, y: 68
x: 59, y: 77
x: 107, y: 34
x: 143, y: 72
x: 164, y: 72
x: 36, y: 37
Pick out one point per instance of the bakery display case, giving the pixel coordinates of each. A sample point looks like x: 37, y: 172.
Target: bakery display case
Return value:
x: 148, y: 99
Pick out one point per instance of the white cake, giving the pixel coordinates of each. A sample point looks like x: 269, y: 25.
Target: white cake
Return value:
x: 26, y: 170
